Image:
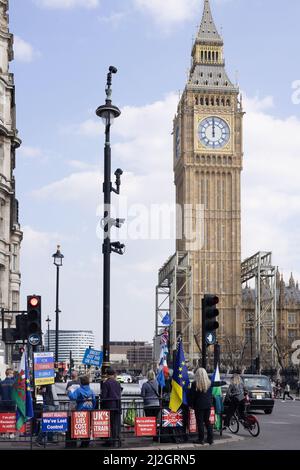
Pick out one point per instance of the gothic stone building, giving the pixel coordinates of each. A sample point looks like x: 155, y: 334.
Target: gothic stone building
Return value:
x: 10, y: 233
x: 208, y: 160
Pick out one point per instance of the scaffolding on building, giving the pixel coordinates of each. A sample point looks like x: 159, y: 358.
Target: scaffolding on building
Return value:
x: 174, y: 296
x: 263, y: 321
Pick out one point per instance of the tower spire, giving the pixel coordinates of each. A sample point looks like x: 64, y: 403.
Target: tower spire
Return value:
x: 208, y: 31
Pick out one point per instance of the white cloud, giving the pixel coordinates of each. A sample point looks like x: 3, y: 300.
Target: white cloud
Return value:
x: 23, y: 51
x: 67, y: 4
x: 30, y: 152
x: 169, y: 12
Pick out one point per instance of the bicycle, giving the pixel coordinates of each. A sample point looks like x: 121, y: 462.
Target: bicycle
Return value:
x: 250, y: 422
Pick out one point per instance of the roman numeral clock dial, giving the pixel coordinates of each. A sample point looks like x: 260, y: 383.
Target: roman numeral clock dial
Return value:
x: 214, y: 132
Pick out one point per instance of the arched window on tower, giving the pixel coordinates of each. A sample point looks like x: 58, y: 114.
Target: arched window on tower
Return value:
x: 202, y: 56
x: 205, y: 55
x: 202, y: 101
x: 217, y: 56
x: 206, y: 101
x: 209, y: 55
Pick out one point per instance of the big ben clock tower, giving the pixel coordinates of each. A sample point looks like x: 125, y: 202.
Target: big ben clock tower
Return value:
x: 208, y: 156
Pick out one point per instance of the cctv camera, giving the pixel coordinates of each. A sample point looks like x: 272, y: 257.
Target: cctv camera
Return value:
x: 118, y: 172
x: 113, y: 69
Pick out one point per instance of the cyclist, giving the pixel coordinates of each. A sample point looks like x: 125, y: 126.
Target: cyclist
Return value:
x: 235, y: 399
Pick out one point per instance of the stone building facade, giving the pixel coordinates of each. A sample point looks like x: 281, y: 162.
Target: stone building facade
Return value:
x: 208, y: 157
x: 208, y: 160
x: 10, y: 232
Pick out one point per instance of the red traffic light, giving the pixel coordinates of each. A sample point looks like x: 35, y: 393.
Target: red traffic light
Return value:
x: 33, y: 301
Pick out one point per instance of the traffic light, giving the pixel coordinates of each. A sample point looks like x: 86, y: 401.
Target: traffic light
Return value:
x: 33, y: 315
x: 21, y: 327
x: 210, y: 313
x: 209, y: 323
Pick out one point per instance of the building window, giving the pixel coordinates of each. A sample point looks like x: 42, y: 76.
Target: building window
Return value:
x: 292, y: 319
x: 15, y: 257
x: 15, y: 300
x: 2, y: 209
x: 292, y: 334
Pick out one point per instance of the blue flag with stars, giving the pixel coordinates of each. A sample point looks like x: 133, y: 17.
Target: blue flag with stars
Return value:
x: 180, y: 381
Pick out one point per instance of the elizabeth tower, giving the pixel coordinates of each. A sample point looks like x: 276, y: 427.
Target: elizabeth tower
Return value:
x: 208, y: 154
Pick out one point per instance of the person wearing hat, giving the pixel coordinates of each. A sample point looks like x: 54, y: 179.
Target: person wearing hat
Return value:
x: 111, y: 400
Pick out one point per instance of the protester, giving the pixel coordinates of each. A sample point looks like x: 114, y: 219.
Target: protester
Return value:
x: 111, y: 400
x: 286, y: 392
x: 50, y: 403
x: 72, y: 385
x: 7, y: 404
x: 235, y: 398
x: 200, y: 399
x: 85, y: 400
x: 150, y: 395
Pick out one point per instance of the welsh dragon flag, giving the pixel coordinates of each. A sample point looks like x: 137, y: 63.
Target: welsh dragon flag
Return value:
x: 21, y: 394
x: 217, y: 394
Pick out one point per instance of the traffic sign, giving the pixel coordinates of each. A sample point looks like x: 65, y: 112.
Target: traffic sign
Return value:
x: 34, y: 339
x: 210, y: 338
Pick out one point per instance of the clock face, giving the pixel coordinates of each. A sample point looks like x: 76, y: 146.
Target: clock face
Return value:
x: 214, y: 132
x: 177, y: 142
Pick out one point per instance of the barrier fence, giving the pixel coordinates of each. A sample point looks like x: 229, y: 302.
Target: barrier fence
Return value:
x: 124, y: 424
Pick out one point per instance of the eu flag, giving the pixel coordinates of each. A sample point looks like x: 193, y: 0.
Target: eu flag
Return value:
x: 180, y: 380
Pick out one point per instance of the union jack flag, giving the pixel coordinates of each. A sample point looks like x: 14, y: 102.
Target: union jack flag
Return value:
x: 164, y: 337
x: 171, y: 419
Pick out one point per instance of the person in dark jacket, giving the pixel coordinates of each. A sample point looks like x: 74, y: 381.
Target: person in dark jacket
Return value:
x: 150, y: 394
x: 111, y: 400
x: 201, y: 401
x: 50, y: 403
x: 6, y: 385
x: 235, y: 398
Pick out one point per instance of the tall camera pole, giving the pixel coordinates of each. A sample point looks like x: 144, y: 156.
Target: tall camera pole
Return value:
x: 108, y: 112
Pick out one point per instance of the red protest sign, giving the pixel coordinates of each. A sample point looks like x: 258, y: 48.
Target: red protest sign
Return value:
x: 192, y: 422
x: 212, y: 417
x: 172, y: 419
x: 100, y: 424
x: 80, y: 428
x: 145, y: 426
x: 7, y: 423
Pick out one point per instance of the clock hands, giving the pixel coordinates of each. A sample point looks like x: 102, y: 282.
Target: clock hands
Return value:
x: 213, y: 129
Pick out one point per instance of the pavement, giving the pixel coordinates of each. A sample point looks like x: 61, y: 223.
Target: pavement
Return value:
x: 279, y: 431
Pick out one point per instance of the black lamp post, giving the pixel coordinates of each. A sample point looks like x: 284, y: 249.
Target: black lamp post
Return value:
x: 48, y: 329
x: 108, y: 112
x: 58, y: 261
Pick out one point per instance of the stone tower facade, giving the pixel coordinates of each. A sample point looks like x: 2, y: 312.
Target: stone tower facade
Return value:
x: 10, y: 233
x: 208, y: 157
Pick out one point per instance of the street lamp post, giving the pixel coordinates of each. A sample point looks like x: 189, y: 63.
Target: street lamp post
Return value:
x: 58, y: 262
x: 108, y: 112
x: 48, y: 329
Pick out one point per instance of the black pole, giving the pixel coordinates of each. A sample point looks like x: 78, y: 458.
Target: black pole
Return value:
x: 57, y: 314
x: 251, y: 350
x: 204, y: 360
x: 217, y: 351
x: 106, y: 248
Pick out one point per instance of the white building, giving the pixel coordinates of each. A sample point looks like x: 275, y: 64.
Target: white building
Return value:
x: 76, y: 341
x: 10, y: 233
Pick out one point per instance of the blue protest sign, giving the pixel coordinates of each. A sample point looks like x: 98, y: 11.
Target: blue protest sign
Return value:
x: 92, y: 357
x: 55, y: 422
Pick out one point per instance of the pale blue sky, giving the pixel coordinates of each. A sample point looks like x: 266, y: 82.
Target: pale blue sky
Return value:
x: 60, y: 73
